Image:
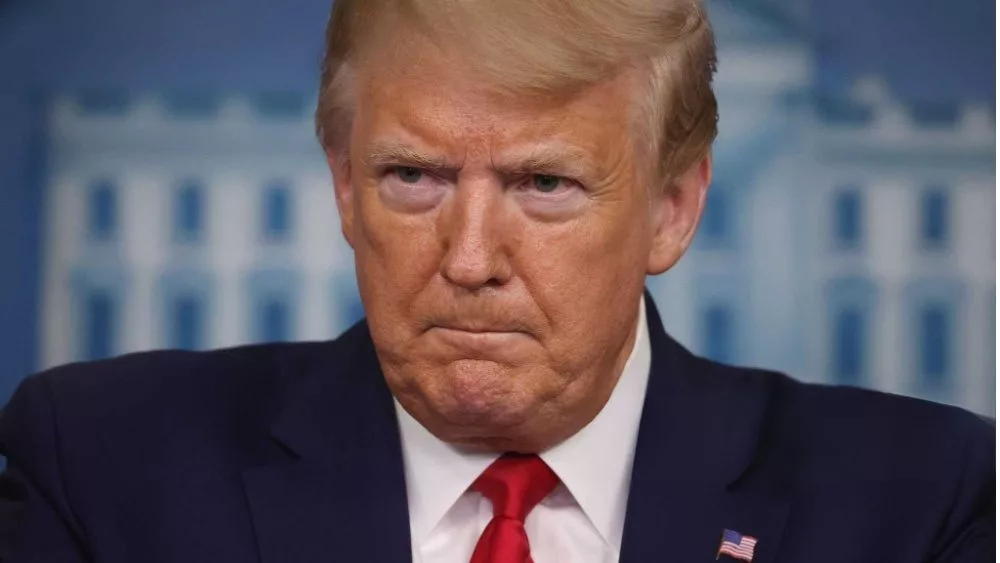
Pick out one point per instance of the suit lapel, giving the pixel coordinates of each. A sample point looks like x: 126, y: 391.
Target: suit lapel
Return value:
x: 330, y: 484
x: 697, y: 436
x: 331, y: 487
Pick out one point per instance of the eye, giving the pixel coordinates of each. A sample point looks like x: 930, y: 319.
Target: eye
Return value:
x: 408, y: 174
x: 546, y: 183
x: 410, y: 189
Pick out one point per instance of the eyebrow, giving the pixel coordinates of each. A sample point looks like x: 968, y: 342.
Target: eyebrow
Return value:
x: 386, y: 154
x: 556, y: 158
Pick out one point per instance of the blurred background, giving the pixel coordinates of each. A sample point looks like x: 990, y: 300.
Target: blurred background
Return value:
x: 160, y: 186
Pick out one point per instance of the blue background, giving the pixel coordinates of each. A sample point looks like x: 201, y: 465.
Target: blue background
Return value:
x: 926, y: 50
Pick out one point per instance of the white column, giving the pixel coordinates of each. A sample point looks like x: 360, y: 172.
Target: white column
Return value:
x: 975, y: 258
x: 891, y: 207
x: 973, y: 385
x: 892, y: 370
x: 63, y: 222
x: 232, y: 230
x: 771, y: 255
x: 145, y: 214
x: 314, y: 306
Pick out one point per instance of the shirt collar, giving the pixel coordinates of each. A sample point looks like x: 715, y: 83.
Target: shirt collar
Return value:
x: 437, y: 473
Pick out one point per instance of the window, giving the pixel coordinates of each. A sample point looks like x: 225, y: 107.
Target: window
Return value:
x: 275, y: 323
x: 99, y: 325
x: 346, y: 306
x: 934, y: 218
x: 717, y: 332
x: 942, y: 115
x: 103, y: 102
x: 844, y: 112
x: 187, y: 327
x: 716, y: 221
x: 847, y: 219
x: 102, y: 211
x: 852, y: 306
x: 935, y: 306
x: 281, y: 104
x: 273, y: 301
x: 191, y: 105
x: 189, y: 214
x: 355, y: 311
x: 186, y: 306
x: 98, y: 288
x: 934, y: 351
x: 277, y: 213
x: 850, y: 340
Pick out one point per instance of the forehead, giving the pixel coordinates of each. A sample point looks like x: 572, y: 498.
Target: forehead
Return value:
x: 443, y: 100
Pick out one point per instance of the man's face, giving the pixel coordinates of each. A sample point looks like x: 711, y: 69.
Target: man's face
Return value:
x: 501, y: 248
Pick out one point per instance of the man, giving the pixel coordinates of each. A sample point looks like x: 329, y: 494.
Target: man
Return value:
x: 507, y: 174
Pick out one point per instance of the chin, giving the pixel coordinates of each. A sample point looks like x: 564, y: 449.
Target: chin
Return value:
x: 481, y: 395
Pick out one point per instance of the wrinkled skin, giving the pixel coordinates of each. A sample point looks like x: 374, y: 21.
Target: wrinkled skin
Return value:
x: 502, y: 245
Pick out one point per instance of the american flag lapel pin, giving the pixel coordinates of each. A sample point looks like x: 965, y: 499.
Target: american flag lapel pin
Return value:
x: 737, y: 546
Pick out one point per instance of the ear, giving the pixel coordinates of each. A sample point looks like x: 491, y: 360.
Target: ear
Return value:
x: 340, y: 167
x: 676, y: 212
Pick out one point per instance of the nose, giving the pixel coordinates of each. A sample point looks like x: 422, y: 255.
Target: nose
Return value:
x: 472, y: 229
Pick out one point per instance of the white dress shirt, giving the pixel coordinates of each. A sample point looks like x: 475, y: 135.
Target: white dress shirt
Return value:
x: 580, y: 521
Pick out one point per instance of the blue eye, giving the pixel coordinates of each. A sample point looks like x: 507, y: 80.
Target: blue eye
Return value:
x: 546, y: 183
x: 408, y: 174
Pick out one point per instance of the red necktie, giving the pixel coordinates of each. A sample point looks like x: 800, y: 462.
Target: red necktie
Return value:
x: 514, y: 484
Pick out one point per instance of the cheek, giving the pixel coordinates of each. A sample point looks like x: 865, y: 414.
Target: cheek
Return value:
x: 606, y: 243
x: 396, y: 255
x: 580, y: 275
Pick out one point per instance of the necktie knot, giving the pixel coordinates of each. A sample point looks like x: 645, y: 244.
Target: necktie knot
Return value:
x: 515, y: 484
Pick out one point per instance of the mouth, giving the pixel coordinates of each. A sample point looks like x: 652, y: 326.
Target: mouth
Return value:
x: 477, y: 336
x: 476, y: 329
x: 466, y: 341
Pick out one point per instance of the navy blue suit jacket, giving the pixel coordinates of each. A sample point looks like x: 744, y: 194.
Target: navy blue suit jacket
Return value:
x: 290, y: 453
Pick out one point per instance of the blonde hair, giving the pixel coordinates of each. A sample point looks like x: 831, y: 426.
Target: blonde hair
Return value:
x: 548, y: 47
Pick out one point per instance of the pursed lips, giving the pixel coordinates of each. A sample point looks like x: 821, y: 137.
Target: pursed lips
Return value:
x: 479, y: 328
x: 479, y: 331
x: 478, y: 339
